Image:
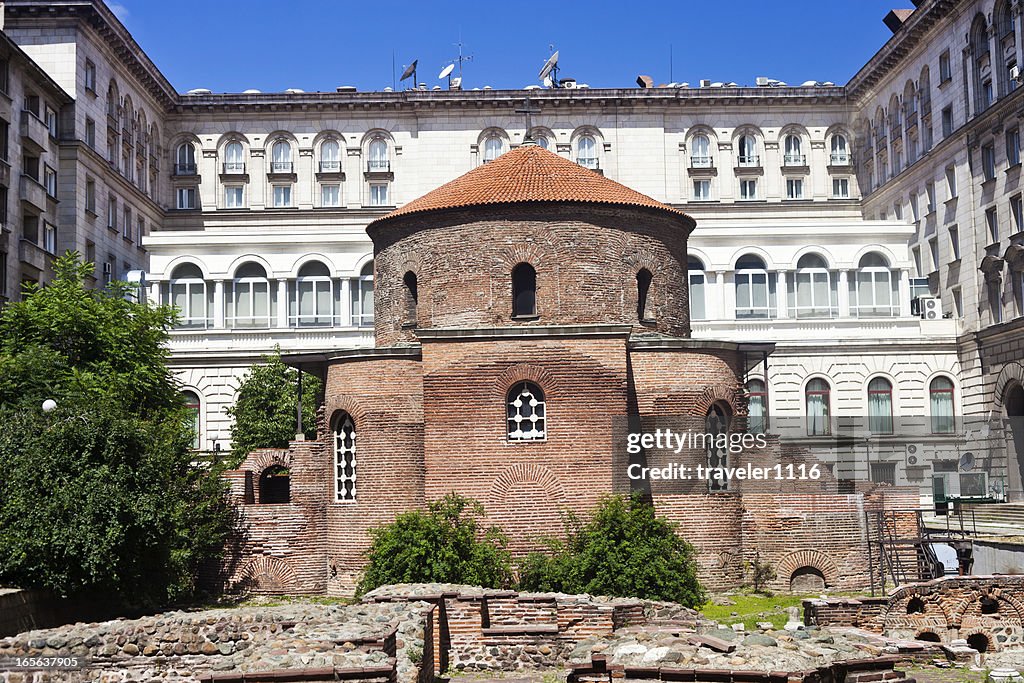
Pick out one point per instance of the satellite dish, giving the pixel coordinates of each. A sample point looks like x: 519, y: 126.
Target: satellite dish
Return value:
x: 549, y: 66
x: 966, y: 461
x: 410, y: 71
x: 446, y: 72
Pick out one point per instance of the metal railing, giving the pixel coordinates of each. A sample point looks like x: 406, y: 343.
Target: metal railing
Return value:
x: 184, y: 169
x: 378, y: 166
x: 840, y: 159
x: 280, y: 167
x: 234, y: 167
x: 701, y: 162
x: 749, y: 160
x: 794, y: 160
x: 330, y: 166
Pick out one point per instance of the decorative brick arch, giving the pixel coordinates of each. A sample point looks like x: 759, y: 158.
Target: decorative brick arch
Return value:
x: 525, y: 372
x: 957, y: 614
x: 523, y: 253
x: 524, y: 473
x: 895, y: 610
x: 266, y: 574
x: 635, y: 260
x: 719, y: 394
x: 1011, y: 374
x: 808, y: 558
x: 337, y: 403
x: 259, y: 460
x: 526, y: 500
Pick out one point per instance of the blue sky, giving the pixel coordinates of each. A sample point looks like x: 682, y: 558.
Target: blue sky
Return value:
x: 232, y: 45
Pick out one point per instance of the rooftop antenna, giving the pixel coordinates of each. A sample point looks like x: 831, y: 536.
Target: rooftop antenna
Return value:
x: 461, y: 58
x: 410, y: 71
x: 549, y: 72
x: 671, y: 63
x: 447, y: 73
x: 527, y: 110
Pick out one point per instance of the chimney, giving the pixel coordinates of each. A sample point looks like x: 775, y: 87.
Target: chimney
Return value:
x: 896, y: 18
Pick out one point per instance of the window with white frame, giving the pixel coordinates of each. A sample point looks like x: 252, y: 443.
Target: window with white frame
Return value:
x: 379, y: 194
x: 362, y: 297
x: 701, y: 190
x: 50, y: 237
x: 378, y: 156
x: 794, y: 188
x: 281, y: 161
x: 493, y: 148
x: 234, y: 158
x: 586, y: 151
x: 185, y: 197
x: 700, y: 151
x: 840, y: 188
x: 755, y: 289
x: 330, y: 156
x: 1017, y: 213
x: 189, y: 294
x: 90, y: 76
x: 748, y: 188
x: 112, y: 211
x: 747, y: 146
x: 234, y: 196
x: 344, y: 458
x: 140, y: 228
x: 50, y: 181
x: 757, y: 406
x: 940, y: 399
x: 840, y: 155
x: 50, y: 118
x: 880, y: 419
x: 526, y: 414
x: 330, y: 194
x: 813, y: 292
x: 993, y: 224
x: 695, y: 273
x: 988, y: 161
x: 126, y: 224
x: 311, y: 303
x: 282, y: 196
x: 794, y: 155
x: 185, y: 159
x: 874, y: 290
x: 90, y: 195
x: 1013, y: 146
x: 249, y: 304
x: 818, y: 407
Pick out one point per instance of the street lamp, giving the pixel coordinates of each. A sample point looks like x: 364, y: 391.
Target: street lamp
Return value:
x: 49, y: 405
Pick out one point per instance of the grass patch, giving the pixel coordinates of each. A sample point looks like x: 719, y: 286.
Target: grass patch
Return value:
x: 751, y: 608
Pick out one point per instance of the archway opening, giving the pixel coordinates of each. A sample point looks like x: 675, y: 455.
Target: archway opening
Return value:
x: 928, y: 637
x: 989, y: 605
x: 275, y: 485
x: 915, y: 606
x: 978, y: 641
x: 806, y: 580
x: 1014, y: 403
x: 643, y: 288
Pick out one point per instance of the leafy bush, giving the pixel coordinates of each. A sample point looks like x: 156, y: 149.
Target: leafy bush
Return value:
x: 624, y: 550
x: 265, y: 410
x: 445, y: 544
x: 761, y: 573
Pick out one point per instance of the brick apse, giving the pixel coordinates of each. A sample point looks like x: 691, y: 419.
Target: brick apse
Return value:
x: 522, y: 312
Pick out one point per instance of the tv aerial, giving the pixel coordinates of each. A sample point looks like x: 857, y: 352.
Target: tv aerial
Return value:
x: 549, y: 72
x: 410, y: 71
x: 447, y: 73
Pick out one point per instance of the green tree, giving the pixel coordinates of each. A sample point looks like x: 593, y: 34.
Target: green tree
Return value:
x: 624, y: 550
x: 265, y: 410
x: 99, y: 495
x: 445, y: 544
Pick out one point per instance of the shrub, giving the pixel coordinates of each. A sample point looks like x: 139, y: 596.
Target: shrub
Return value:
x: 445, y: 544
x: 761, y: 573
x: 624, y: 550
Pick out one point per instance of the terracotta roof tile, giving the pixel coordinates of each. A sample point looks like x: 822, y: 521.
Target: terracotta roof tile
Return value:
x: 529, y: 174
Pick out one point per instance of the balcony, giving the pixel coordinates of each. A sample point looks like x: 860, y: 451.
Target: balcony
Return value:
x: 701, y: 162
x: 896, y: 131
x: 233, y: 168
x: 749, y: 164
x: 185, y: 170
x: 32, y: 193
x: 297, y: 339
x: 281, y: 170
x: 379, y: 169
x: 881, y: 142
x: 911, y: 121
x: 33, y: 255
x: 34, y: 133
x: 840, y: 159
x: 589, y: 162
x: 832, y: 329
x: 330, y: 169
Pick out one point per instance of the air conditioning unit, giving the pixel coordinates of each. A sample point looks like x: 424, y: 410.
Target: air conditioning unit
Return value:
x: 930, y: 307
x: 1015, y: 72
x: 914, y: 456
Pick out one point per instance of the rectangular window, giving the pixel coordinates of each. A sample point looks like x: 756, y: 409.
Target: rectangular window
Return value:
x: 1017, y: 211
x: 993, y: 224
x: 108, y: 272
x: 126, y: 224
x: 282, y: 196
x: 929, y: 191
x: 947, y: 122
x: 988, y: 161
x: 186, y: 197
x: 883, y: 473
x: 933, y: 249
x: 234, y: 196
x: 945, y: 72
x: 112, y: 212
x: 841, y: 188
x: 950, y: 182
x: 748, y: 189
x: 1013, y: 146
x: 90, y: 76
x: 915, y: 210
x: 50, y: 237
x: 90, y: 133
x: 3, y: 206
x: 958, y: 302
x: 5, y: 75
x: 986, y: 92
x: 50, y: 181
x: 140, y: 229
x: 5, y: 130
x: 897, y: 211
x: 917, y: 262
x: 50, y: 117
x: 794, y: 188
x: 379, y: 194
x: 330, y: 195
x: 954, y: 242
x: 701, y: 190
x: 32, y: 104
x: 90, y: 195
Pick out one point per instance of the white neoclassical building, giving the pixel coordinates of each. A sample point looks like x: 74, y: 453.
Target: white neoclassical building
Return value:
x: 872, y: 232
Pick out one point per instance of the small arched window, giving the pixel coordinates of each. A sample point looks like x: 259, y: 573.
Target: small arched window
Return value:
x: 250, y: 302
x: 755, y: 290
x: 282, y: 157
x: 493, y: 148
x: 940, y: 399
x: 234, y: 158
x: 874, y: 290
x: 817, y: 399
x: 813, y: 292
x: 880, y: 406
x: 524, y: 291
x: 526, y: 412
x: 794, y: 155
x: 586, y: 152
x: 840, y: 150
x: 275, y: 486
x: 748, y: 151
x: 700, y: 151
x: 378, y: 156
x: 188, y: 293
x: 330, y: 156
x: 717, y: 422
x: 643, y: 289
x: 312, y: 300
x: 695, y: 272
x: 362, y: 297
x: 412, y: 296
x: 757, y: 406
x: 185, y: 159
x: 193, y: 406
x: 344, y: 433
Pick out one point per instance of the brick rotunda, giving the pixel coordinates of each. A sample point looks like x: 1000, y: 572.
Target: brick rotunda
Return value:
x: 523, y: 311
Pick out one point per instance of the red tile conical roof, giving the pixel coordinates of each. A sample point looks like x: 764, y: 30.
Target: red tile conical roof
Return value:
x: 529, y: 174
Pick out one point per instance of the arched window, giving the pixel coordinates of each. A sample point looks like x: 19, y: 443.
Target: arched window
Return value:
x: 715, y: 423
x: 874, y: 292
x: 193, y: 406
x: 880, y: 406
x: 412, y: 296
x: 747, y: 146
x: 113, y: 102
x: 527, y: 415
x: 493, y: 148
x: 755, y: 291
x: 700, y: 151
x: 695, y: 272
x: 794, y: 155
x: 362, y: 297
x: 586, y: 152
x: 330, y: 156
x: 378, y: 156
x: 312, y: 300
x: 840, y: 150
x: 250, y: 302
x: 188, y: 293
x: 541, y: 140
x: 282, y: 157
x: 643, y: 288
x: 981, y: 64
x: 940, y: 399
x: 275, y: 486
x: 234, y: 158
x: 185, y: 159
x: 344, y: 458
x: 524, y: 291
x: 757, y: 406
x: 812, y: 289
x: 817, y: 398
